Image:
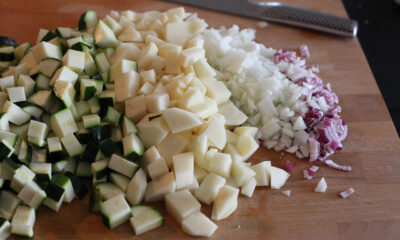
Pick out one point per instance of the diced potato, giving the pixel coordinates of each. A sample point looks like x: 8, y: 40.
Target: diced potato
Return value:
x: 246, y: 145
x: 209, y: 188
x: 262, y: 175
x: 191, y: 97
x: 215, y: 131
x: 220, y: 164
x: 181, y: 204
x: 180, y: 120
x: 232, y: 114
x: 135, y: 108
x: 190, y: 56
x: 197, y: 224
x: 152, y: 130
x: 172, y: 144
x: 158, y: 188
x: 217, y: 91
x: 241, y: 173
x: 225, y: 203
x: 183, y: 167
x: 248, y: 188
x: 156, y: 103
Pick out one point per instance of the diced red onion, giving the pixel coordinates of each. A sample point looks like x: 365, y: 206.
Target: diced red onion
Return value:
x: 285, y: 55
x: 347, y: 193
x: 314, y: 168
x: 334, y: 165
x: 314, y: 149
x: 306, y: 174
x: 288, y: 166
x: 304, y: 52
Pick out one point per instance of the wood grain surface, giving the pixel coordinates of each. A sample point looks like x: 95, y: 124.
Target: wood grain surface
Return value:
x: 372, y: 147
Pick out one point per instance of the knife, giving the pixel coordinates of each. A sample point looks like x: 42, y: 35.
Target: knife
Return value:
x: 280, y: 13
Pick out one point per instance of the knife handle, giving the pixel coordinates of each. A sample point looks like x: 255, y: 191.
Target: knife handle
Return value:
x: 301, y: 17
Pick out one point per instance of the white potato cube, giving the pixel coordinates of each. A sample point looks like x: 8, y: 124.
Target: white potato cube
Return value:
x: 225, y: 203
x: 209, y: 188
x: 217, y: 91
x: 220, y: 164
x: 248, y: 188
x: 135, y: 108
x: 180, y: 120
x: 183, y: 167
x: 156, y: 103
x: 181, y: 204
x: 197, y: 224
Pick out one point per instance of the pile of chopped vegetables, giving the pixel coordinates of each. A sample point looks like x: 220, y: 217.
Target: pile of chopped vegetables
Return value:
x: 153, y: 107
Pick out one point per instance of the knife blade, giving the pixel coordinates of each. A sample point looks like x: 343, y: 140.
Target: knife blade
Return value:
x: 280, y: 13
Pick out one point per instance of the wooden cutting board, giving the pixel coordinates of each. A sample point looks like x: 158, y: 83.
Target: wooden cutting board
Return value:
x: 372, y: 147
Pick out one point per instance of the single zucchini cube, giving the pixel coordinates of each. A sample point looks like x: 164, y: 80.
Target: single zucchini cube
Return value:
x: 133, y: 147
x: 72, y: 145
x: 37, y: 129
x: 23, y: 221
x: 55, y: 195
x: 42, y: 171
x: 75, y: 60
x: 112, y: 116
x: 32, y: 195
x: 79, y: 186
x: 128, y: 126
x: 63, y: 123
x: 65, y: 91
x: 90, y: 152
x: 16, y: 94
x: 48, y: 66
x: 99, y: 168
x: 120, y: 180
x: 5, y: 229
x: 8, y: 203
x: 92, y: 120
x: 22, y: 176
x: 115, y: 211
x: 65, y: 183
x: 108, y: 147
x: 123, y: 166
x: 15, y: 114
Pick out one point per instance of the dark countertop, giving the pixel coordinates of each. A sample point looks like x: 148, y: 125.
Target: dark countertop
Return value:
x: 379, y: 35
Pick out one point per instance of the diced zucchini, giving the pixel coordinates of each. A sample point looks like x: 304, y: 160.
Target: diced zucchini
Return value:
x: 88, y: 89
x: 7, y: 53
x: 79, y: 186
x: 87, y: 20
x: 23, y: 221
x: 42, y: 82
x: 5, y: 229
x: 16, y: 94
x: 120, y: 180
x: 94, y: 105
x: 115, y: 211
x: 104, y: 36
x: 4, y: 125
x: 48, y: 36
x: 94, y: 201
x: 101, y: 62
x: 32, y: 195
x: 99, y: 168
x: 83, y: 169
x: 108, y: 147
x: 21, y: 177
x: 90, y: 121
x: 55, y: 195
x: 49, y: 66
x: 123, y: 166
x: 84, y: 135
x: 90, y: 65
x: 7, y: 41
x: 82, y: 107
x: 75, y: 60
x: 148, y: 218
x: 25, y: 152
x: 39, y: 155
x: 133, y: 147
x: 65, y: 91
x: 64, y: 182
x: 27, y: 82
x: 43, y: 98
x: 6, y: 150
x: 15, y: 114
x: 116, y: 135
x: 108, y: 190
x: 106, y: 99
x: 81, y: 46
x: 90, y: 152
x: 128, y: 126
x: 101, y: 132
x: 8, y: 168
x: 63, y: 123
x: 37, y: 130
x: 7, y: 82
x: 8, y: 203
x: 72, y: 145
x: 42, y: 171
x: 9, y: 136
x: 21, y: 50
x: 46, y: 50
x: 64, y: 74
x: 32, y: 109
x: 112, y: 116
x: 55, y: 149
x: 64, y: 32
